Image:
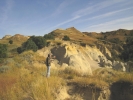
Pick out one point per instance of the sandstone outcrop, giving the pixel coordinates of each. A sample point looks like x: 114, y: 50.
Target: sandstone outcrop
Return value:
x: 119, y: 66
x: 84, y: 59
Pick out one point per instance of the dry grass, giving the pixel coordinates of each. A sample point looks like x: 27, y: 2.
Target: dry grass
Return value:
x: 22, y: 83
x: 68, y: 73
x: 90, y: 82
x: 74, y: 35
x: 4, y: 41
x: 103, y: 77
x: 110, y: 76
x: 124, y: 77
x: 6, y: 83
x: 29, y: 82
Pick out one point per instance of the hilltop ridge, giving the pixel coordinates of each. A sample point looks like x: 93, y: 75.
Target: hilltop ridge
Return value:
x: 120, y: 34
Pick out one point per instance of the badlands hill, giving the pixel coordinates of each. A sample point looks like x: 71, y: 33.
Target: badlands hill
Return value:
x: 88, y: 66
x: 17, y: 38
x: 74, y: 34
x: 85, y: 51
x: 120, y: 34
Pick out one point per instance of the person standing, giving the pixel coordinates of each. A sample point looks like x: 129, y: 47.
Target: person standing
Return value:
x: 48, y: 63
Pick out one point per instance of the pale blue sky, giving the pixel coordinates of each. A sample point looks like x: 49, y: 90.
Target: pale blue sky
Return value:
x: 39, y: 17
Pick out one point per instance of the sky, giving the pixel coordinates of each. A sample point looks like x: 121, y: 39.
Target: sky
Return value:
x: 39, y: 17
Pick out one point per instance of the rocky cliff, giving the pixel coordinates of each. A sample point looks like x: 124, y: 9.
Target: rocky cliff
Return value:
x: 84, y: 59
x: 85, y: 51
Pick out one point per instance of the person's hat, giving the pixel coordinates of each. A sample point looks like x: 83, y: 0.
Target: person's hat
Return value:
x: 49, y: 54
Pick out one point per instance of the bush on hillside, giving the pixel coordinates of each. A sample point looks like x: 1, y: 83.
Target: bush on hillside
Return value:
x: 49, y: 37
x: 33, y: 43
x: 3, y: 50
x: 20, y: 50
x: 66, y: 38
x: 28, y: 45
x: 115, y: 40
x: 127, y: 53
x: 39, y: 41
x: 11, y: 41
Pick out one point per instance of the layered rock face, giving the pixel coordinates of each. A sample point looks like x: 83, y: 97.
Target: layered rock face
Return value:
x: 84, y: 59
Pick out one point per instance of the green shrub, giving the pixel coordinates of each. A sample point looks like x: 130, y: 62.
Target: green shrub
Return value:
x: 3, y: 50
x: 11, y: 41
x: 20, y: 50
x: 33, y: 43
x: 39, y: 41
x: 66, y: 38
x: 49, y: 37
x: 30, y: 45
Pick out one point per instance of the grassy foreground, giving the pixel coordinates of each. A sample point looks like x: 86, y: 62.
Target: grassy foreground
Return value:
x: 23, y: 80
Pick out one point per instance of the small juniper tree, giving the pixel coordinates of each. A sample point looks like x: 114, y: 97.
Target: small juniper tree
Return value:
x: 49, y: 37
x: 66, y: 38
x: 39, y: 41
x: 3, y: 50
x: 11, y: 41
x: 33, y: 43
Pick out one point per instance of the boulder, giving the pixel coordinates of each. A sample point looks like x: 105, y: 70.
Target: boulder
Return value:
x: 117, y: 65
